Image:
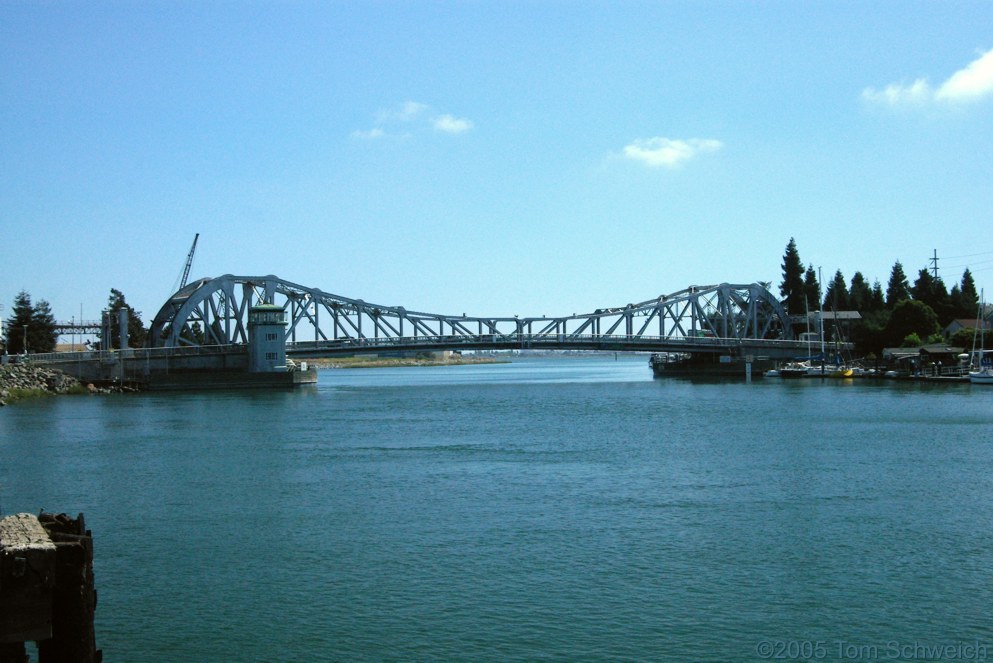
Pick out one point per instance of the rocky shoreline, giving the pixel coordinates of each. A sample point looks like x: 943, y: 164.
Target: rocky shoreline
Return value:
x: 18, y: 381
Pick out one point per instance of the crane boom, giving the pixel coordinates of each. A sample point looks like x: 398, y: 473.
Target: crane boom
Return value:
x: 189, y: 262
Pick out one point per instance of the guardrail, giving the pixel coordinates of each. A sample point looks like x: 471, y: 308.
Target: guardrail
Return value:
x: 617, y: 342
x: 132, y: 353
x: 708, y: 343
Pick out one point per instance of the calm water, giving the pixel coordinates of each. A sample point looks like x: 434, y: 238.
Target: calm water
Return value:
x: 558, y: 510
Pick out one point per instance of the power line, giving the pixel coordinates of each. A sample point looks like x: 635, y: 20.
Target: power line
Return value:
x: 969, y: 264
x: 970, y: 255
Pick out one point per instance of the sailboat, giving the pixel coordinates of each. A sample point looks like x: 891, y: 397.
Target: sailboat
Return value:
x: 985, y: 373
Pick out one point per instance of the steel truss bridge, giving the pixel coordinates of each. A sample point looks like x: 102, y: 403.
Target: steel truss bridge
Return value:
x: 735, y: 320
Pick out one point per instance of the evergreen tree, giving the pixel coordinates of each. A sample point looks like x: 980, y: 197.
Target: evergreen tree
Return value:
x: 969, y: 295
x: 964, y: 300
x: 859, y: 294
x: 878, y: 302
x: 811, y: 289
x: 898, y: 288
x: 932, y: 292
x: 136, y: 329
x: 15, y: 325
x: 791, y: 288
x: 923, y: 286
x: 42, y: 333
x: 31, y: 325
x: 836, y: 297
x: 955, y: 302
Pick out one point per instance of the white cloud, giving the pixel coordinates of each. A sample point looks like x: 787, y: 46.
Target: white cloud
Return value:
x: 896, y: 95
x: 973, y: 82
x: 407, y: 112
x: 411, y: 115
x: 451, y: 124
x: 970, y: 83
x: 662, y: 152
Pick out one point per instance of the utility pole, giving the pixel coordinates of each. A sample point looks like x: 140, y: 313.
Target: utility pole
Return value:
x: 934, y: 265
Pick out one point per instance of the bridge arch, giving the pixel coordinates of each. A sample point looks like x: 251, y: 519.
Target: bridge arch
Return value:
x: 214, y: 311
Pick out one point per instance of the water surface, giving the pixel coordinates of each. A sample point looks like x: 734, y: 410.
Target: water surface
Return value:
x: 547, y: 509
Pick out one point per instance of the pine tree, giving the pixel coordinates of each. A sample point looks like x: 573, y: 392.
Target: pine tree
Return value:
x: 836, y: 297
x: 811, y: 289
x: 898, y: 288
x: 18, y: 324
x: 791, y: 288
x: 931, y: 291
x: 878, y: 302
x: 969, y: 297
x: 31, y: 328
x: 859, y: 293
x: 42, y: 333
x: 921, y: 290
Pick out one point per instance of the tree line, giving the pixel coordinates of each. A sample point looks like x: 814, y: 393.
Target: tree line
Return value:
x: 904, y: 315
x: 31, y: 327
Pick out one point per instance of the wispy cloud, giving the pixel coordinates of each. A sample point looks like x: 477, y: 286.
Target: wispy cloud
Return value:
x: 370, y: 134
x: 971, y: 83
x: 408, y: 111
x: 451, y: 124
x: 918, y: 92
x: 398, y: 122
x: 659, y: 152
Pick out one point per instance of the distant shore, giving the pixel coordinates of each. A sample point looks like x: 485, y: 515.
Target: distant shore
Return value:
x: 384, y: 362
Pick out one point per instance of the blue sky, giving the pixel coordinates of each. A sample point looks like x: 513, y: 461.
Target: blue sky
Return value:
x: 489, y: 158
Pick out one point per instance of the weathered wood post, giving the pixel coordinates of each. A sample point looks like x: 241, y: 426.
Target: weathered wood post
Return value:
x: 27, y: 580
x: 74, y: 600
x: 46, y: 589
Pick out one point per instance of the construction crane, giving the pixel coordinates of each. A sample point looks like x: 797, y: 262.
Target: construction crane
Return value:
x: 189, y: 263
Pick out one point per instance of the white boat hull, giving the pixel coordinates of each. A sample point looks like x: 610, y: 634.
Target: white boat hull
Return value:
x: 984, y: 376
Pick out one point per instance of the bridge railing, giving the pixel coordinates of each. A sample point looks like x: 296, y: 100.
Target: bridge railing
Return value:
x: 130, y: 353
x: 621, y: 341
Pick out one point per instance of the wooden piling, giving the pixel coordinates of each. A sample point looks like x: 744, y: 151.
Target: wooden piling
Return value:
x: 47, y: 591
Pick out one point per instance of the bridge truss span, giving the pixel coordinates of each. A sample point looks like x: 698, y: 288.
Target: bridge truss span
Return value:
x: 214, y: 311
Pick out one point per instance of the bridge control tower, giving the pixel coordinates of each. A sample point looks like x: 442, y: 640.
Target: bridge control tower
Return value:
x: 266, y: 339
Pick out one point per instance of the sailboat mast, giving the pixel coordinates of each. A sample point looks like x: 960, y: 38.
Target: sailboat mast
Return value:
x: 820, y: 314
